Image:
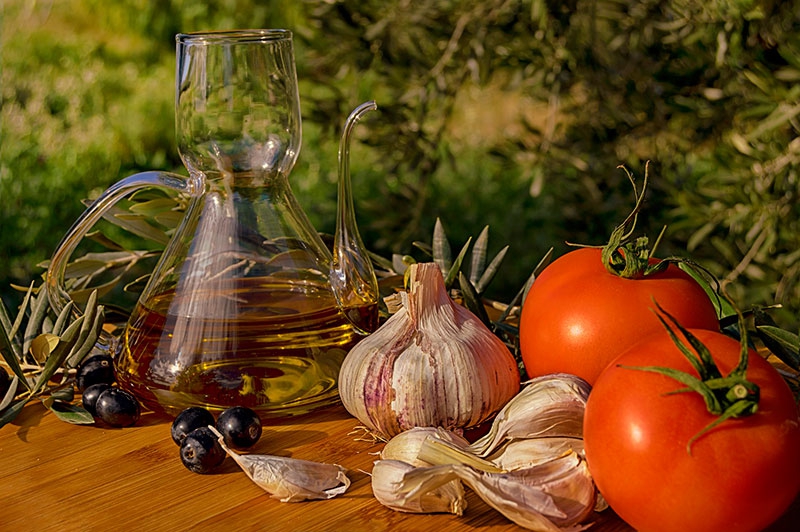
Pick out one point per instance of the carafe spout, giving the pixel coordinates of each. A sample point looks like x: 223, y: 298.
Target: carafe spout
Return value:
x: 352, y: 276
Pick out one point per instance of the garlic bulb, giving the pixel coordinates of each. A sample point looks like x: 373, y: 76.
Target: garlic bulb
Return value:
x: 431, y: 364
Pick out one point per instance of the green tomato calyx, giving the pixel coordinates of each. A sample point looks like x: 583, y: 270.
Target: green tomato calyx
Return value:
x: 727, y: 397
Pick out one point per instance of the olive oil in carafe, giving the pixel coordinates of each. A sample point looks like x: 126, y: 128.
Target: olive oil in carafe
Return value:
x: 279, y: 354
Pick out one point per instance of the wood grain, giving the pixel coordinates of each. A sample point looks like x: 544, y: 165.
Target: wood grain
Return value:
x: 56, y: 476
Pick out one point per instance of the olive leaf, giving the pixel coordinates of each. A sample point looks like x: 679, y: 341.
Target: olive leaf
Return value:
x: 42, y: 346
x: 472, y: 300
x: 782, y: 343
x: 70, y: 413
x: 53, y: 349
x: 479, y: 252
x: 36, y: 319
x: 9, y: 347
x: 455, y: 267
x: 134, y: 223
x: 442, y: 254
x: 10, y: 393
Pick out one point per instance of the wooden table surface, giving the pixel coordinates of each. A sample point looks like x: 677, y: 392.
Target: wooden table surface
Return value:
x: 56, y: 476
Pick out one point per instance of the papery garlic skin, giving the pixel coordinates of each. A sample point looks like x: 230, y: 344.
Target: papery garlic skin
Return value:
x: 446, y: 496
x: 551, y: 497
x: 518, y: 494
x: 431, y: 364
x: 547, y: 406
x: 290, y: 479
x: 406, y: 445
x: 519, y: 454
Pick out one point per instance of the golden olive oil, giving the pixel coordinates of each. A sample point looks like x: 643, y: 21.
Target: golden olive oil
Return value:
x: 279, y: 354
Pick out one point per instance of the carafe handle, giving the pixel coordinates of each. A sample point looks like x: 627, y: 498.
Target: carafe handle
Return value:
x: 54, y: 278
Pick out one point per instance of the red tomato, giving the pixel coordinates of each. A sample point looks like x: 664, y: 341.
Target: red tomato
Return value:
x: 740, y: 476
x: 578, y: 317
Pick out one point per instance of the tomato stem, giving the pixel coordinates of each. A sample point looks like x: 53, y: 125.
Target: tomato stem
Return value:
x: 727, y: 397
x: 630, y: 257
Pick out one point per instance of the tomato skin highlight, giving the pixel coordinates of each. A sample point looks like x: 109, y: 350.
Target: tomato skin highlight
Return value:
x: 578, y: 317
x: 741, y: 476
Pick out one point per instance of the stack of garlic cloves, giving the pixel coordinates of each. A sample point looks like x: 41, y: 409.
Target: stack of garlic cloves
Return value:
x: 529, y: 466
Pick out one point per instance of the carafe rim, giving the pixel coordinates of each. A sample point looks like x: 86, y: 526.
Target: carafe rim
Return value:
x: 233, y: 36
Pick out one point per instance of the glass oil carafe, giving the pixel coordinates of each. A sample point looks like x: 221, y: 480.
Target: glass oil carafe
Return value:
x: 246, y: 306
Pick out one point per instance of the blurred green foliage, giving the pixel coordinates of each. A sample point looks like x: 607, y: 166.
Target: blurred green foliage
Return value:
x: 511, y: 113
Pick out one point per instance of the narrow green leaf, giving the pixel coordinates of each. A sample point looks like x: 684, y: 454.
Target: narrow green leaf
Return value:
x: 65, y: 393
x: 782, y: 343
x: 442, y: 253
x: 472, y: 300
x: 543, y: 263
x: 452, y: 274
x: 74, y: 414
x: 13, y: 411
x: 21, y: 314
x: 479, y: 252
x: 723, y: 307
x: 169, y: 218
x: 83, y: 294
x: 10, y: 393
x: 90, y: 313
x: 424, y: 247
x: 39, y: 310
x: 59, y: 354
x: 381, y: 262
x: 83, y: 347
x: 63, y: 318
x: 10, y: 355
x: 137, y: 225
x: 491, y: 270
x: 104, y: 240
x: 5, y: 318
x: 83, y: 267
x: 152, y: 207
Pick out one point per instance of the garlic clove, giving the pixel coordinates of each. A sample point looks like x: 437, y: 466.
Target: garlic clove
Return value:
x: 438, y: 451
x: 550, y: 405
x: 442, y: 493
x: 519, y: 454
x: 565, y: 483
x: 406, y: 445
x: 550, y: 497
x: 431, y: 364
x: 290, y: 479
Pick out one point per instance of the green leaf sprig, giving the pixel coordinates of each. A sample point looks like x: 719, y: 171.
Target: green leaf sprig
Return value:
x: 725, y: 396
x: 470, y: 286
x: 43, y: 355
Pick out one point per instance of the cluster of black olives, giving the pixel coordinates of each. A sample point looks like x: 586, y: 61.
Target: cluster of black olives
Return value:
x: 95, y: 380
x: 201, y: 451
